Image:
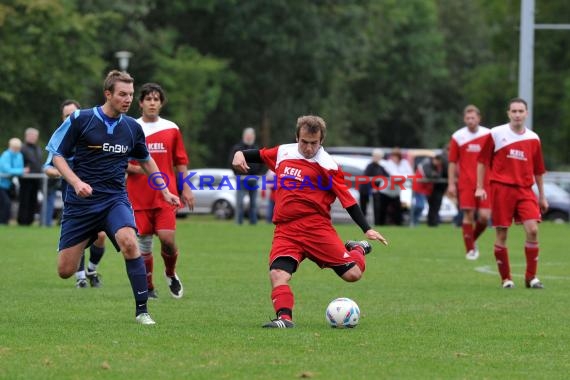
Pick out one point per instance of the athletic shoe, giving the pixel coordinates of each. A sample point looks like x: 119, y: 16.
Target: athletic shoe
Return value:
x: 472, y: 255
x: 175, y: 286
x: 81, y: 283
x: 93, y: 278
x: 508, y: 284
x: 534, y: 284
x: 351, y: 244
x: 145, y: 319
x: 279, y: 323
x: 152, y: 294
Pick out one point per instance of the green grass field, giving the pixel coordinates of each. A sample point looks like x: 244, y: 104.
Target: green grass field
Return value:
x: 426, y: 312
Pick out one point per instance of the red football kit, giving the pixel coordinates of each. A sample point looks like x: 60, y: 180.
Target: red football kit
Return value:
x: 166, y: 146
x: 464, y: 149
x: 514, y: 160
x: 304, y: 192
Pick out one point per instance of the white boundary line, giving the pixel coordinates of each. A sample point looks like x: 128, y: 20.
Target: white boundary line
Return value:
x: 487, y: 269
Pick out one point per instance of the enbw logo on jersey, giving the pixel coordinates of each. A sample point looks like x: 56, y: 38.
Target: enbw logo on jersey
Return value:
x: 115, y: 148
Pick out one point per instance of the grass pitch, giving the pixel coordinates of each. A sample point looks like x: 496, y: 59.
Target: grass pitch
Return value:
x: 426, y: 312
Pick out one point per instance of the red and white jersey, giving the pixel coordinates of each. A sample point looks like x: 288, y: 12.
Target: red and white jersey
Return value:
x: 464, y: 149
x: 166, y: 146
x: 305, y: 186
x: 514, y: 158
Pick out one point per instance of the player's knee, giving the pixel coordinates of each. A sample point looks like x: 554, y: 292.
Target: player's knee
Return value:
x: 352, y: 275
x: 168, y: 247
x: 65, y: 271
x: 100, y: 242
x: 532, y: 233
x: 279, y: 276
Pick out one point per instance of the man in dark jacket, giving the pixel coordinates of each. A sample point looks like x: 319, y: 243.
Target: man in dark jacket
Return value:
x: 435, y: 169
x: 29, y: 187
x: 246, y: 185
x: 373, y: 169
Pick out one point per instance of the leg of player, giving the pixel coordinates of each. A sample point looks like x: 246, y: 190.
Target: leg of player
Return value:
x: 69, y: 259
x: 531, y: 252
x: 482, y: 222
x: 280, y: 274
x: 81, y: 280
x: 169, y: 253
x: 127, y: 241
x: 96, y: 252
x: 357, y: 251
x: 145, y: 248
x: 502, y: 257
x: 471, y: 253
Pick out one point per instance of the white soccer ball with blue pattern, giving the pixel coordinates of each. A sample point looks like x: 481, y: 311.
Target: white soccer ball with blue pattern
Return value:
x: 342, y: 313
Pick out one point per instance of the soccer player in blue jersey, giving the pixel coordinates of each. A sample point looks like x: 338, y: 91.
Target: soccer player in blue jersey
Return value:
x: 99, y: 142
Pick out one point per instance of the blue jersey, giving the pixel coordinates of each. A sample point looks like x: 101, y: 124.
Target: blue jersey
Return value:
x: 98, y: 150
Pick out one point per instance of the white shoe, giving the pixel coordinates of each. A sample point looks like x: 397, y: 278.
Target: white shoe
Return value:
x: 508, y: 284
x: 145, y: 319
x: 472, y: 255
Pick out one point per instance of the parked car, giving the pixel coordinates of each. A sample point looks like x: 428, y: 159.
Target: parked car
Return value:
x: 214, y: 193
x: 558, y: 202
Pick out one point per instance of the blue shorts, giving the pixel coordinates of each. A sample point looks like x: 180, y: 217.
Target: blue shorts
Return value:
x: 80, y: 222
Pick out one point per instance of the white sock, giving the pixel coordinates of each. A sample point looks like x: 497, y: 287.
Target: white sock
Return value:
x: 92, y: 267
x: 80, y: 275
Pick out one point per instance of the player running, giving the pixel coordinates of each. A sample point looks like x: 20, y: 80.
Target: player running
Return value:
x: 100, y: 141
x: 307, y: 183
x: 514, y: 155
x: 464, y: 148
x: 153, y: 214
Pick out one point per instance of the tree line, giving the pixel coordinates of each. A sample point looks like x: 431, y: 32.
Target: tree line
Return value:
x: 381, y: 72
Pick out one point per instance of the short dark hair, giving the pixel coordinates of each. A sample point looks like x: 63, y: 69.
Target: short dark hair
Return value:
x: 115, y: 76
x: 517, y: 100
x: 313, y: 124
x: 67, y: 102
x: 149, y: 88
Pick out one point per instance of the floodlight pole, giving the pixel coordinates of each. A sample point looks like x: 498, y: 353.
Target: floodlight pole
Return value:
x: 123, y: 57
x: 526, y: 53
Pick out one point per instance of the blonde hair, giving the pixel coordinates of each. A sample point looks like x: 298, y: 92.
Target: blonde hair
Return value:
x: 471, y: 108
x: 15, y: 143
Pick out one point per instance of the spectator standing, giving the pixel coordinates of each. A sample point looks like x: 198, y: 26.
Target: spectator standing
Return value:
x: 11, y: 164
x: 29, y: 187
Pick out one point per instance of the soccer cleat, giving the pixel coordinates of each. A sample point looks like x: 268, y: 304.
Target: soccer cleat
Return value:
x: 175, y: 286
x: 508, y: 284
x: 152, y: 294
x: 534, y: 284
x: 351, y: 244
x: 94, y: 279
x: 279, y: 323
x: 472, y: 255
x: 81, y: 283
x: 145, y: 319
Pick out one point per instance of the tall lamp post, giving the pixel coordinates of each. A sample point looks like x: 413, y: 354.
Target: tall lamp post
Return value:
x: 123, y: 56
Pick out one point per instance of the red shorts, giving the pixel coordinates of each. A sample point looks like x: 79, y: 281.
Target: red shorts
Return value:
x: 513, y: 202
x: 310, y: 237
x: 468, y: 201
x: 152, y: 220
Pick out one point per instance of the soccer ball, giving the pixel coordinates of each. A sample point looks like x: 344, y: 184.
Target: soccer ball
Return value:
x: 342, y: 313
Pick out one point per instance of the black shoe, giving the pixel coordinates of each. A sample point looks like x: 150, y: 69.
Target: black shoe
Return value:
x: 94, y: 279
x: 175, y: 286
x: 534, y: 284
x: 279, y: 323
x: 81, y: 283
x: 351, y: 244
x: 152, y: 294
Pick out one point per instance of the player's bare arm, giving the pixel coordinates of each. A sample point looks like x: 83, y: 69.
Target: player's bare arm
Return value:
x: 187, y: 195
x: 81, y: 188
x: 52, y: 172
x: 239, y: 162
x: 451, y: 187
x: 480, y: 191
x: 149, y: 168
x: 542, y: 202
x: 134, y: 169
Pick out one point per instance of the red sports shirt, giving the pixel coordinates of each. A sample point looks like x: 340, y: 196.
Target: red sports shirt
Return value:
x: 464, y: 149
x: 166, y: 147
x: 515, y: 159
x: 305, y: 186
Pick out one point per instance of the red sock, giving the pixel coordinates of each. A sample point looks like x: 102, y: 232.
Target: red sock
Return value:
x: 479, y: 229
x: 169, y: 263
x: 283, y: 301
x: 149, y: 265
x: 531, y: 253
x: 358, y: 255
x: 468, y: 236
x: 502, y: 256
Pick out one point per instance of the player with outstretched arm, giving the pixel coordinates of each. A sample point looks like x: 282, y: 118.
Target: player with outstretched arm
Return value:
x: 307, y: 182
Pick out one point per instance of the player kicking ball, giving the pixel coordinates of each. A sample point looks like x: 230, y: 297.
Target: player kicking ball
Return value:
x: 307, y: 182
